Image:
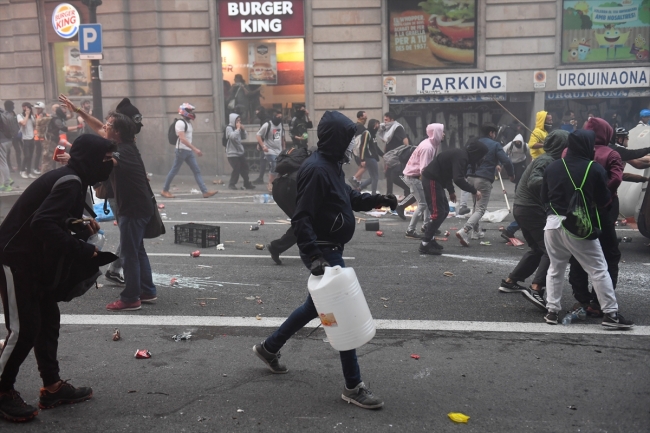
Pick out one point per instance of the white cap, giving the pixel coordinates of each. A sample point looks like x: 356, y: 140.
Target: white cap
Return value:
x: 39, y: 104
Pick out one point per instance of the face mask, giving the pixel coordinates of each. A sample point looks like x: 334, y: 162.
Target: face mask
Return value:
x: 518, y: 144
x: 548, y: 126
x: 104, y: 170
x: 277, y: 120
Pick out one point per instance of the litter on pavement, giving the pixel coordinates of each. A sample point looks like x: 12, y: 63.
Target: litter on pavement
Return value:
x: 458, y: 417
x: 142, y: 354
x: 116, y: 335
x: 220, y: 247
x: 182, y: 337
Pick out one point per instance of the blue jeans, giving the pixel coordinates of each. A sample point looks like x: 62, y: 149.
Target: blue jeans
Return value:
x: 271, y: 159
x: 137, y: 270
x: 372, y: 166
x: 305, y: 314
x: 183, y: 155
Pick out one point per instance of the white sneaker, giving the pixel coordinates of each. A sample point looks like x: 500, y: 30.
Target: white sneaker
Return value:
x: 23, y: 174
x: 32, y: 176
x: 463, y: 237
x: 476, y: 235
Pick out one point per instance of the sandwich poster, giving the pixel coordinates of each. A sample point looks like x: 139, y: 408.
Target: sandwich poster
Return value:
x: 262, y: 63
x: 72, y: 73
x: 432, y: 34
x: 600, y: 31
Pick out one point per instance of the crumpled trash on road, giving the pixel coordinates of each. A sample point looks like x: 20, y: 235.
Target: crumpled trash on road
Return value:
x: 220, y: 247
x: 495, y: 217
x: 182, y: 337
x: 259, y: 246
x: 415, y: 356
x: 448, y: 274
x: 458, y: 417
x: 116, y: 335
x: 142, y: 354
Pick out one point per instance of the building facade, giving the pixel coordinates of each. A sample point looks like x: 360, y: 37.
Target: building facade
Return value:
x: 461, y: 64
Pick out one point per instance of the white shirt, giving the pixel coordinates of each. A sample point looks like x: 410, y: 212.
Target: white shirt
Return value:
x: 554, y: 222
x: 180, y: 127
x: 273, y: 138
x: 28, y: 129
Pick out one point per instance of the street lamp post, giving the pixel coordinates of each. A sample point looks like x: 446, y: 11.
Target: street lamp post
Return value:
x: 94, y: 64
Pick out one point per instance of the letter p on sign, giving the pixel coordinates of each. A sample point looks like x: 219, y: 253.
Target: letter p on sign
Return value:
x: 89, y: 36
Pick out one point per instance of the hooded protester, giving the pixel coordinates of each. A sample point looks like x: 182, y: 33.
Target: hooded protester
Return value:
x: 298, y: 127
x: 369, y: 154
x: 564, y: 233
x: 235, y: 133
x: 420, y: 158
x: 393, y: 134
x: 543, y: 125
x: 55, y: 128
x: 446, y: 168
x: 271, y: 139
x: 611, y: 161
x: 40, y: 235
x: 530, y: 214
x: 323, y: 223
x: 518, y: 153
x: 263, y: 117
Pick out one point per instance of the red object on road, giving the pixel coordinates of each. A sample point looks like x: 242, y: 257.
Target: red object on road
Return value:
x: 195, y: 253
x: 414, y: 356
x: 115, y: 222
x: 380, y: 233
x: 260, y: 222
x: 142, y: 354
x: 161, y: 206
x: 173, y: 282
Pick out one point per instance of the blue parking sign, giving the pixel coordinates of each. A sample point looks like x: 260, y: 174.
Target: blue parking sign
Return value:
x: 90, y: 40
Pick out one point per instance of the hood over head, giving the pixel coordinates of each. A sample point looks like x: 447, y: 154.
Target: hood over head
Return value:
x: 87, y: 158
x: 125, y: 107
x: 602, y: 129
x: 435, y: 132
x: 9, y: 105
x: 555, y: 143
x: 233, y: 119
x: 540, y: 119
x: 476, y: 151
x: 581, y: 144
x: 335, y: 132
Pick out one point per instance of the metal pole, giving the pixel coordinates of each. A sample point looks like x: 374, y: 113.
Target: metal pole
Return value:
x: 98, y: 111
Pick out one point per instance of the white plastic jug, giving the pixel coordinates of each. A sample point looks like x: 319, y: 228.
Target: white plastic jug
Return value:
x: 342, y: 308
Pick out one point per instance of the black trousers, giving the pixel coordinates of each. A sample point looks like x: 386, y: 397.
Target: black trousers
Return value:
x: 33, y: 320
x: 578, y: 278
x: 285, y: 192
x: 438, y: 205
x: 17, y: 144
x: 28, y: 155
x: 531, y: 220
x: 38, y: 153
x: 393, y: 177
x: 239, y: 168
x: 520, y: 167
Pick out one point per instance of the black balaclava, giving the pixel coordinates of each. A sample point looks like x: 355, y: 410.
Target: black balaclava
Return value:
x: 277, y: 119
x: 476, y: 151
x: 125, y: 107
x: 87, y: 158
x: 335, y: 132
x: 582, y: 144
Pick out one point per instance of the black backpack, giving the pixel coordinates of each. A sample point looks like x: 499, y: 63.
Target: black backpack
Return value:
x: 172, y: 137
x: 289, y: 161
x: 9, y: 125
x: 224, y: 139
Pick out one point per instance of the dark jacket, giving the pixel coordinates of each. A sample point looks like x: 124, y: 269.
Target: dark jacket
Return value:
x: 37, y: 232
x: 494, y: 156
x: 325, y: 202
x: 557, y: 188
x: 57, y: 125
x: 629, y: 154
x: 530, y: 185
x: 450, y: 166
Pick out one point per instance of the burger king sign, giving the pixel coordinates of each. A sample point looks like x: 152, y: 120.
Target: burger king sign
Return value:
x: 66, y: 20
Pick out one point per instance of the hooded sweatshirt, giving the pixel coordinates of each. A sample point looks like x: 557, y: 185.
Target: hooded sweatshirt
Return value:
x: 450, y: 166
x: 530, y: 185
x: 234, y: 147
x: 495, y: 156
x: 426, y: 151
x: 539, y: 134
x: 34, y: 234
x: 605, y: 156
x: 516, y: 154
x: 325, y: 202
x: 557, y: 188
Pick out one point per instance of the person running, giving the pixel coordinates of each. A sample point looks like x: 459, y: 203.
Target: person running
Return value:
x: 185, y: 151
x: 530, y: 213
x: 419, y: 160
x: 325, y: 201
x: 235, y: 133
x: 564, y: 235
x: 447, y: 168
x: 482, y: 179
x: 394, y: 135
x: 369, y: 154
x: 543, y: 125
x: 271, y: 139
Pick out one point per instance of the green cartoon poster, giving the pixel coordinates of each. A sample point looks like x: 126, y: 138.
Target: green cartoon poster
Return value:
x: 598, y: 31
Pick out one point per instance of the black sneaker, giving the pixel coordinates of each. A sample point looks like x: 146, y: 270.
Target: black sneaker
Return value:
x: 13, y: 408
x: 435, y: 244
x: 507, y: 287
x: 270, y: 359
x: 400, y: 212
x: 233, y: 187
x: 274, y: 255
x: 463, y: 210
x: 258, y: 182
x: 66, y: 394
x: 430, y: 249
x: 362, y: 397
x: 616, y: 320
x: 249, y: 186
x: 535, y: 297
x: 114, y: 277
x: 412, y: 234
x: 551, y: 318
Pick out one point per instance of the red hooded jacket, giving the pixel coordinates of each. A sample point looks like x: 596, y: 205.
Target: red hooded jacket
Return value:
x: 605, y: 156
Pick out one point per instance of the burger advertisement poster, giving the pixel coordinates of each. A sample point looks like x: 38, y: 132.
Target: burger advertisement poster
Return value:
x: 72, y: 73
x: 432, y: 34
x: 262, y: 63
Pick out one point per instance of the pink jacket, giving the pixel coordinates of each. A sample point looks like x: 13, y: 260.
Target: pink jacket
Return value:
x: 426, y: 151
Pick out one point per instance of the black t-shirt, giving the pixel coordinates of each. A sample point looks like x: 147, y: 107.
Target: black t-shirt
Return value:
x: 129, y: 181
x: 397, y: 139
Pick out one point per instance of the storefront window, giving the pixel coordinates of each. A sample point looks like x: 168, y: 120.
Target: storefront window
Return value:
x: 72, y: 73
x: 431, y: 34
x: 263, y: 72
x: 595, y: 31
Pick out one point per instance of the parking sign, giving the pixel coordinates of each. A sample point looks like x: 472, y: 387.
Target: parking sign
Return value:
x: 90, y: 41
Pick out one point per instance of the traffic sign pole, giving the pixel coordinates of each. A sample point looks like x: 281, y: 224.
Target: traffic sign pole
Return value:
x: 98, y: 111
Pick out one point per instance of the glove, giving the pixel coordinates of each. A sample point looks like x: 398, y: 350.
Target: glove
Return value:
x: 388, y: 200
x: 318, y: 265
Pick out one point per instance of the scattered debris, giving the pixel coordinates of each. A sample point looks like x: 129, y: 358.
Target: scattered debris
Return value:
x: 259, y: 301
x: 182, y: 337
x: 440, y: 239
x: 458, y: 417
x: 161, y: 206
x: 131, y: 391
x: 173, y: 282
x: 260, y: 222
x: 195, y: 253
x: 250, y: 298
x: 572, y: 407
x: 414, y: 356
x: 220, y: 247
x: 116, y: 335
x: 142, y: 354
x: 486, y: 243
x: 183, y: 213
x: 384, y: 299
x: 258, y: 317
x: 626, y: 239
x: 448, y: 274
x: 447, y: 233
x: 202, y: 418
x: 100, y: 285
x: 380, y: 233
x: 203, y: 304
x: 240, y: 410
x: 259, y: 246
x: 255, y: 227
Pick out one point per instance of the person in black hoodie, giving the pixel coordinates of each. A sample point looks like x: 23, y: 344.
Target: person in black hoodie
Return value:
x: 447, y: 168
x: 562, y: 234
x: 323, y: 223
x: 34, y: 238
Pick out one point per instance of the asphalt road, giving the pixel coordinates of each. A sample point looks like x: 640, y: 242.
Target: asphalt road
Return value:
x: 482, y: 352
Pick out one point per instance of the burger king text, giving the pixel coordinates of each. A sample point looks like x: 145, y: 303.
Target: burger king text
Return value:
x: 277, y: 8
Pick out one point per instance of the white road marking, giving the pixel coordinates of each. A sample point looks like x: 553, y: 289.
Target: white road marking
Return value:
x: 399, y: 325
x: 222, y: 222
x: 245, y: 256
